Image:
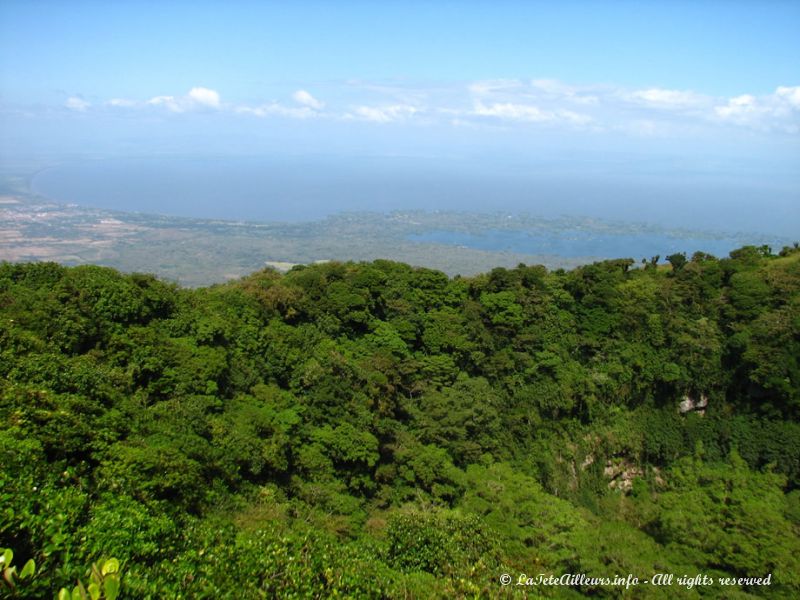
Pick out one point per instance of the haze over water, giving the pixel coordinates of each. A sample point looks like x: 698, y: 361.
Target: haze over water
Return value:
x: 281, y: 188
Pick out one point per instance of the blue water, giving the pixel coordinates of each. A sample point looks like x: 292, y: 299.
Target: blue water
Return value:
x: 300, y: 188
x: 576, y: 243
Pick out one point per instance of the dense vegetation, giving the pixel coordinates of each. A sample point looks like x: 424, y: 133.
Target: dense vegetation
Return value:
x: 375, y: 430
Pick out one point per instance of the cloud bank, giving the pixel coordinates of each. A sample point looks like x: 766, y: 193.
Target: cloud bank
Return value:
x: 503, y: 102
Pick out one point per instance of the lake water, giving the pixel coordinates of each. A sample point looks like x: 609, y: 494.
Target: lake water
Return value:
x: 575, y: 243
x: 289, y: 188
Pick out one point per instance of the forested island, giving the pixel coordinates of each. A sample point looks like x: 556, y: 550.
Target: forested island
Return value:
x: 373, y: 430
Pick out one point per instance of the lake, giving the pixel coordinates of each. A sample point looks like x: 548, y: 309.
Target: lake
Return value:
x: 575, y: 243
x: 300, y: 188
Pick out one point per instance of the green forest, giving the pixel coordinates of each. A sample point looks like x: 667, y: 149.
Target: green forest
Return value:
x: 374, y: 430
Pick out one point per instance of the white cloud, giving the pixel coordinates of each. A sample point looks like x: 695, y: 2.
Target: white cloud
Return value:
x: 558, y: 89
x: 493, y: 86
x: 574, y: 118
x: 529, y: 113
x: 779, y: 110
x: 122, y: 102
x: 383, y: 114
x: 76, y: 103
x: 310, y: 108
x: 275, y: 109
x: 790, y: 95
x: 306, y: 99
x: 170, y: 102
x: 668, y: 98
x: 514, y: 112
x: 738, y: 107
x: 197, y: 97
x: 541, y: 91
x: 204, y: 97
x: 551, y: 86
x: 500, y: 103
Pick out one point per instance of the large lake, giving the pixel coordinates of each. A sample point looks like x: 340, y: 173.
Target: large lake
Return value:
x: 312, y: 187
x: 574, y: 244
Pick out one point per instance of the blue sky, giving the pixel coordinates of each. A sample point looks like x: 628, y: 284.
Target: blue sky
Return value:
x: 709, y: 87
x: 141, y: 49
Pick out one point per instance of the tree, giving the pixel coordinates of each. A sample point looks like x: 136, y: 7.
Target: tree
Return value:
x: 727, y: 517
x: 677, y: 260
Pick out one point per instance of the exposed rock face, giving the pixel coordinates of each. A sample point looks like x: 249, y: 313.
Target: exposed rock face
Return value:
x: 689, y: 404
x: 658, y: 477
x: 622, y: 474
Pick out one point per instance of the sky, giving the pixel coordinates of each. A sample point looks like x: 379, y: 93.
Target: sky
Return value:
x: 710, y: 87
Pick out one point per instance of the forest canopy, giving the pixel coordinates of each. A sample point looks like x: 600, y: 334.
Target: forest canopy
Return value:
x: 378, y: 430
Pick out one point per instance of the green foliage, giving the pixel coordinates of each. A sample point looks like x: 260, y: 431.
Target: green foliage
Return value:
x: 375, y: 430
x: 726, y: 517
x: 464, y: 419
x: 534, y: 526
x: 439, y: 543
x: 677, y: 260
x: 11, y: 579
x: 130, y: 530
x: 104, y: 583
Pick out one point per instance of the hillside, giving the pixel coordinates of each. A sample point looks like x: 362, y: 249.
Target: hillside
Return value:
x: 378, y: 430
